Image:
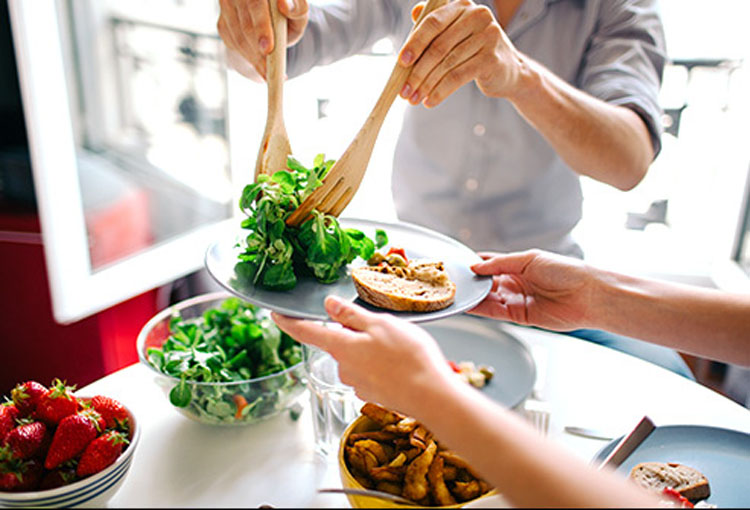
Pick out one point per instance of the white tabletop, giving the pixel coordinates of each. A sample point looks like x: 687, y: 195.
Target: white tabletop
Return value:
x: 182, y: 463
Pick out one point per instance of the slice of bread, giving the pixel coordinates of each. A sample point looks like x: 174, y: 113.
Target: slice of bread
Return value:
x: 688, y: 481
x: 419, y: 287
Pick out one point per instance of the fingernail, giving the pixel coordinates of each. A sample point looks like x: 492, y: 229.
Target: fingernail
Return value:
x: 334, y: 305
x: 264, y: 44
x: 291, y: 5
x: 407, y: 57
x: 406, y: 91
x: 429, y: 102
x: 415, y: 98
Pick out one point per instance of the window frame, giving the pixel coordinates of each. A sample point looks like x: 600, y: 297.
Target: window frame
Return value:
x: 76, y: 290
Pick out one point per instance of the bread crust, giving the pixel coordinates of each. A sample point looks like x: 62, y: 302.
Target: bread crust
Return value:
x: 397, y: 292
x: 686, y: 480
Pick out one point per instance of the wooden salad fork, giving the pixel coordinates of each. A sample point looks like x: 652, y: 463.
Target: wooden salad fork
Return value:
x: 275, y: 146
x: 342, y: 180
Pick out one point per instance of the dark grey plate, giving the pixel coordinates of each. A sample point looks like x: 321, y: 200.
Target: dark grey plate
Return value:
x: 305, y: 300
x: 483, y: 341
x: 722, y: 455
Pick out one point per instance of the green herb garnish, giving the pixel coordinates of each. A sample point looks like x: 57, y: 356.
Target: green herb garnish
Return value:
x: 274, y: 254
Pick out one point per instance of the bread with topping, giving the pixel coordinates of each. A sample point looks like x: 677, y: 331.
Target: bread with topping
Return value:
x: 420, y: 286
x: 687, y: 481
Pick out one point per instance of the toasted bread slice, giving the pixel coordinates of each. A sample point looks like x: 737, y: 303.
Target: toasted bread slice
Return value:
x: 419, y: 287
x: 688, y: 481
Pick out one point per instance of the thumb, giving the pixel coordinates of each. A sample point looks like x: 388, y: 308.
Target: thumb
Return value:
x: 511, y: 263
x: 348, y: 314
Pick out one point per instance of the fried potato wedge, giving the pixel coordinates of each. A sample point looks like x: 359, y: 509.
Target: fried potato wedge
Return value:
x: 451, y: 457
x: 465, y: 491
x: 404, y: 426
x: 381, y: 415
x: 438, y: 490
x: 415, y: 481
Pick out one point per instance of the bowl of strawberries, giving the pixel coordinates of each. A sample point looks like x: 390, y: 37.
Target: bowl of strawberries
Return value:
x: 61, y: 449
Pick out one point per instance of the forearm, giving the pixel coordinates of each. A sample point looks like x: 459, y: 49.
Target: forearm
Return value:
x: 529, y: 470
x: 696, y: 320
x: 605, y: 142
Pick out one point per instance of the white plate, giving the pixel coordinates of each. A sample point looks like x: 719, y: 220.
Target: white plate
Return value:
x: 305, y: 300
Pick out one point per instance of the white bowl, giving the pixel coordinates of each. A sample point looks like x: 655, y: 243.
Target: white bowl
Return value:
x: 92, y: 491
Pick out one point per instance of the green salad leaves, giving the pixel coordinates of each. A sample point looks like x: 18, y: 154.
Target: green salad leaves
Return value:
x: 233, y: 342
x: 274, y: 254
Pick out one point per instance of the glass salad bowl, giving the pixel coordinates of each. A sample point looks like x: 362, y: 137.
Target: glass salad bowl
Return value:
x: 222, y: 361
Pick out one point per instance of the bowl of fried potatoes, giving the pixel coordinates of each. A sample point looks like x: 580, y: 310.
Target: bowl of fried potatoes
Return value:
x: 389, y: 452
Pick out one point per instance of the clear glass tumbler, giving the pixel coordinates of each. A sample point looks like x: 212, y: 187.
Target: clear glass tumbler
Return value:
x: 334, y: 405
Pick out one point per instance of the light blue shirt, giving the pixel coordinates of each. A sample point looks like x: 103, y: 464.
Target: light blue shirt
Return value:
x: 472, y: 167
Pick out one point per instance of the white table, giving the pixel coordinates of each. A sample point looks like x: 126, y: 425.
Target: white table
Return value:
x: 182, y: 463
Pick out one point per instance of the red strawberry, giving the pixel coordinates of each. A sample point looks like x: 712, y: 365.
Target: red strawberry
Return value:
x: 28, y: 439
x: 101, y: 453
x: 20, y: 475
x: 73, y: 435
x: 57, y: 478
x: 8, y: 416
x: 8, y: 480
x: 113, y: 412
x: 57, y: 403
x: 26, y: 396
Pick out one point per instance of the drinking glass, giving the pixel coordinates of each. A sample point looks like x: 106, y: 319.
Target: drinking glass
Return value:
x: 334, y: 405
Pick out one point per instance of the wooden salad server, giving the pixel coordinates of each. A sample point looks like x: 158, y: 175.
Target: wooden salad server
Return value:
x: 343, y: 179
x: 275, y: 146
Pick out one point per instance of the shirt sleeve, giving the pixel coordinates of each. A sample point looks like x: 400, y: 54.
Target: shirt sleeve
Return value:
x: 342, y: 28
x: 625, y: 59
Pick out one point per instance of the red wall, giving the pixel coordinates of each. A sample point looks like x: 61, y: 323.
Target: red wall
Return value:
x: 34, y: 346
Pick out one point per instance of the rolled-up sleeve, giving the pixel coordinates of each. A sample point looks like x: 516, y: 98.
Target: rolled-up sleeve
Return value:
x: 339, y: 29
x: 625, y: 59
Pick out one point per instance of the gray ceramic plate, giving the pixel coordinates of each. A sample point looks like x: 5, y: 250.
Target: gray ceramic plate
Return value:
x: 722, y: 455
x: 305, y: 300
x: 483, y: 341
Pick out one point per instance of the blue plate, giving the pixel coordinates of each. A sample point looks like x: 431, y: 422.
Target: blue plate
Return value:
x: 305, y: 300
x: 722, y: 455
x: 484, y: 342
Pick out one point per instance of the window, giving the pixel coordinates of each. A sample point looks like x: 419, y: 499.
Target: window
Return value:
x: 141, y: 141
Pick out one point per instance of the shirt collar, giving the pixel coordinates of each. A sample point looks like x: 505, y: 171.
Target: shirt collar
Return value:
x: 528, y: 13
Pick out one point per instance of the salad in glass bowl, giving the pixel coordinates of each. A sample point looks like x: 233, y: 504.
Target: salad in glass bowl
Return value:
x: 222, y: 361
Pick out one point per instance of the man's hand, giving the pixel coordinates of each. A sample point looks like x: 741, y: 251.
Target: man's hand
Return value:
x: 245, y: 27
x: 538, y: 289
x: 454, y: 45
x: 387, y: 360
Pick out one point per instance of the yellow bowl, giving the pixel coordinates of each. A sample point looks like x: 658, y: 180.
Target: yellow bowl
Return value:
x: 365, y: 424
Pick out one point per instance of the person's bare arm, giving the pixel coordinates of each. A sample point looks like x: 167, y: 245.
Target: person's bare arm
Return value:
x: 560, y: 293
x: 700, y: 321
x: 462, y: 42
x: 528, y: 469
x: 605, y: 142
x: 400, y: 366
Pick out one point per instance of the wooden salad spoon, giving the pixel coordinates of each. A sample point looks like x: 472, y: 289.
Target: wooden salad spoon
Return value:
x: 344, y: 177
x: 275, y: 146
